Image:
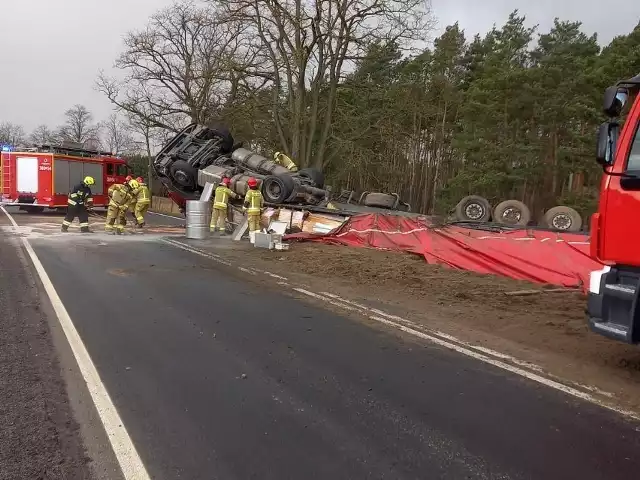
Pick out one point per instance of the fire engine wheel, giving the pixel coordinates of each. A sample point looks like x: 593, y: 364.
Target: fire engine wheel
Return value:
x: 473, y: 209
x: 313, y: 174
x: 34, y: 209
x: 512, y: 212
x: 184, y: 174
x: 563, y: 218
x: 277, y: 188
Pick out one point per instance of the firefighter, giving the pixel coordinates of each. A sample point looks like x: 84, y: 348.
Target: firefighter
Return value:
x: 220, y: 205
x: 284, y: 160
x: 79, y: 201
x: 253, y: 203
x: 120, y: 196
x: 140, y: 204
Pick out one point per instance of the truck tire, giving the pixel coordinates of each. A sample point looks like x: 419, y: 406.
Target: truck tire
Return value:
x: 473, y: 208
x: 563, y: 218
x: 184, y: 174
x: 313, y: 174
x: 277, y: 188
x: 225, y: 134
x: 380, y: 200
x: 512, y: 212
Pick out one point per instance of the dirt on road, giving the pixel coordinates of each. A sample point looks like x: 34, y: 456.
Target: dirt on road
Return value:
x: 547, y: 329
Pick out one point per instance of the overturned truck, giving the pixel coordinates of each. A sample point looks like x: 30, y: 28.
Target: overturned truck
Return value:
x: 202, y: 154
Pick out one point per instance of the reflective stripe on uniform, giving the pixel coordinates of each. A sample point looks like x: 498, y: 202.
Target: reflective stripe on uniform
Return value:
x: 254, y: 198
x: 84, y: 224
x: 66, y: 223
x: 72, y: 202
x: 144, y: 196
x: 221, y: 199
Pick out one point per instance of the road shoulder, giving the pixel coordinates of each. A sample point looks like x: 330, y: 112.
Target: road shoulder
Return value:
x: 50, y: 426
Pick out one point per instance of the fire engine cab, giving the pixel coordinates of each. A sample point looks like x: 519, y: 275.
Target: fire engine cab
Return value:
x: 41, y: 177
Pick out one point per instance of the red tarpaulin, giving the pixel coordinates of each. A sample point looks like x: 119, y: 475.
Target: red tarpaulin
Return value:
x: 534, y: 255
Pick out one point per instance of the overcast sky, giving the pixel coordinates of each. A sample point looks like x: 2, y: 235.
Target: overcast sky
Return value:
x: 52, y: 50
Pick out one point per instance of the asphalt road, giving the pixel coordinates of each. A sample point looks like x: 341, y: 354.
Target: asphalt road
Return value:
x: 218, y: 375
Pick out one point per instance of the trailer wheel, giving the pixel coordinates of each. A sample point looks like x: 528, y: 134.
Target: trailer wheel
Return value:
x: 313, y: 174
x: 473, y: 208
x: 380, y: 200
x: 184, y: 174
x: 563, y: 218
x: 512, y: 212
x: 277, y: 188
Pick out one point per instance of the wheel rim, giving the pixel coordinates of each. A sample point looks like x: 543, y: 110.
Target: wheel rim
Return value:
x: 512, y: 215
x: 474, y: 211
x: 182, y: 178
x: 562, y: 221
x: 274, y: 190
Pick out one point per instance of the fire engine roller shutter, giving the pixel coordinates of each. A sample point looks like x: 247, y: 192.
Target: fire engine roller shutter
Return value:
x: 67, y: 174
x: 27, y: 175
x: 76, y: 173
x: 95, y: 170
x: 61, y: 184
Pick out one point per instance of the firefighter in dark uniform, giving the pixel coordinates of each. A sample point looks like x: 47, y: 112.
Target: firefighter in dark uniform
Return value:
x: 79, y: 201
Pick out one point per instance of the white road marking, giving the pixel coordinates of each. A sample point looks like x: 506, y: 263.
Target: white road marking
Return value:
x: 445, y: 340
x: 186, y: 247
x: 126, y: 453
x: 168, y: 216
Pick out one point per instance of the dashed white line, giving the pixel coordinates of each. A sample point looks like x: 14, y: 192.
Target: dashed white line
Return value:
x: 128, y: 458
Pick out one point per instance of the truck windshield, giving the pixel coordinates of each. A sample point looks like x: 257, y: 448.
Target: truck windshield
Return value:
x: 633, y: 164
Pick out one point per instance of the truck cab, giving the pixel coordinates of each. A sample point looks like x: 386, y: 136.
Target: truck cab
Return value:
x: 613, y: 307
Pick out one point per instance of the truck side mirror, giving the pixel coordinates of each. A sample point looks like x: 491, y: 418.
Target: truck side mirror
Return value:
x: 606, y: 143
x: 614, y: 101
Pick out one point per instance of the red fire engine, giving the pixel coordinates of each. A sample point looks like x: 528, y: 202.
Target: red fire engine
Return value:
x: 41, y: 178
x: 614, y: 291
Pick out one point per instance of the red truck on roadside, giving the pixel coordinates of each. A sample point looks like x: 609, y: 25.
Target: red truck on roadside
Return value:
x: 39, y: 178
x: 613, y: 306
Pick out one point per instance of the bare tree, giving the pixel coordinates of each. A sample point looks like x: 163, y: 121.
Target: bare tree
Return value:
x: 117, y: 135
x: 183, y: 67
x: 42, y: 135
x: 79, y: 126
x: 11, y: 133
x: 310, y: 44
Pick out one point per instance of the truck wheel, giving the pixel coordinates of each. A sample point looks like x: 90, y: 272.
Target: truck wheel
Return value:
x: 380, y: 200
x: 184, y: 174
x: 473, y: 208
x: 512, y: 212
x: 313, y: 174
x: 225, y: 134
x: 563, y: 218
x: 277, y: 188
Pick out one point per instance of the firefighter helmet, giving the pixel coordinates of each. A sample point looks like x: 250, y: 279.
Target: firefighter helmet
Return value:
x: 140, y: 180
x: 89, y: 181
x: 252, y: 182
x: 226, y: 181
x: 133, y: 184
x: 128, y: 178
